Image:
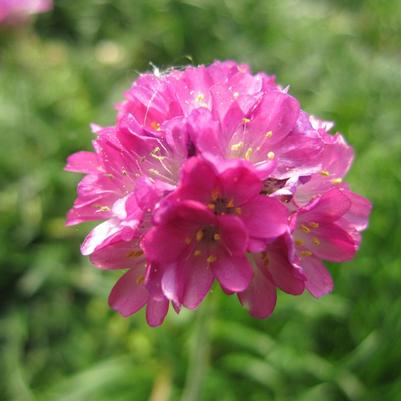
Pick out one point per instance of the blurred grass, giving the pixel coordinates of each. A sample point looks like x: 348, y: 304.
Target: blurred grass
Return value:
x: 59, y: 341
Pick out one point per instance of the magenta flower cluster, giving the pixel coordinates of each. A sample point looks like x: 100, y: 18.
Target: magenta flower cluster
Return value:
x: 212, y: 174
x: 17, y: 11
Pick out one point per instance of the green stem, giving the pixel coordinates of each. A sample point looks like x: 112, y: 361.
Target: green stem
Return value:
x: 199, y: 355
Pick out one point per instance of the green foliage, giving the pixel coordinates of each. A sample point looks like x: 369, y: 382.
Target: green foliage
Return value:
x: 59, y: 341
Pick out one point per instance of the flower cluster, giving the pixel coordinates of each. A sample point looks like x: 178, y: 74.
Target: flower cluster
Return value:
x: 214, y: 174
x: 15, y: 11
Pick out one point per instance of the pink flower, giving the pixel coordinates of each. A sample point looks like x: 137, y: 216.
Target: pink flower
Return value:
x: 15, y: 11
x: 215, y: 174
x: 214, y: 218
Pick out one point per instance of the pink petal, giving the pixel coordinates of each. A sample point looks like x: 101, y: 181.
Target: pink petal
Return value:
x: 100, y: 236
x: 260, y: 296
x: 358, y: 214
x: 277, y: 113
x: 233, y: 234
x: 233, y: 272
x: 240, y: 184
x: 156, y: 311
x: 334, y: 244
x: 118, y: 255
x: 331, y: 206
x: 195, y: 278
x: 199, y: 179
x: 265, y: 217
x: 319, y: 281
x: 284, y: 275
x: 129, y: 294
x: 83, y: 162
x: 164, y: 243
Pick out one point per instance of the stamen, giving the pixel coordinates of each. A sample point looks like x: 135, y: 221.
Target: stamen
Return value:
x: 155, y: 125
x: 269, y: 134
x: 215, y: 194
x: 217, y: 237
x: 248, y: 153
x: 246, y: 120
x: 324, y: 173
x: 211, y: 259
x: 200, y: 97
x: 316, y: 241
x: 156, y: 153
x: 140, y: 279
x: 313, y: 224
x: 337, y: 180
x: 211, y: 206
x: 236, y: 95
x: 305, y: 229
x: 237, y: 146
x: 306, y: 253
x: 187, y: 240
x: 197, y: 252
x: 135, y: 253
x: 238, y: 210
x: 199, y: 235
x: 230, y: 203
x: 271, y: 155
x: 102, y: 209
x: 299, y: 242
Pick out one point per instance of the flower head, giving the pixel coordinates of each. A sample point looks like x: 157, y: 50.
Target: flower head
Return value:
x: 212, y: 174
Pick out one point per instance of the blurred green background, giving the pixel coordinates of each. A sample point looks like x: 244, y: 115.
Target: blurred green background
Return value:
x: 59, y: 341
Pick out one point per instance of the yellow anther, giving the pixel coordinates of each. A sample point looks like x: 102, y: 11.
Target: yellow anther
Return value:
x: 103, y: 209
x: 199, y: 235
x: 271, y: 155
x: 237, y: 146
x: 211, y: 206
x: 155, y: 125
x: 230, y: 203
x: 154, y: 171
x: 217, y: 237
x: 215, y: 194
x: 211, y: 259
x: 306, y: 253
x: 197, y: 252
x: 135, y: 253
x: 140, y: 279
x: 337, y: 180
x: 269, y: 134
x: 108, y: 175
x: 200, y: 97
x: 305, y: 229
x: 316, y: 241
x: 324, y: 173
x: 238, y: 210
x: 299, y: 242
x: 313, y: 224
x: 246, y: 120
x: 236, y: 95
x: 156, y: 153
x: 187, y: 240
x: 248, y: 153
